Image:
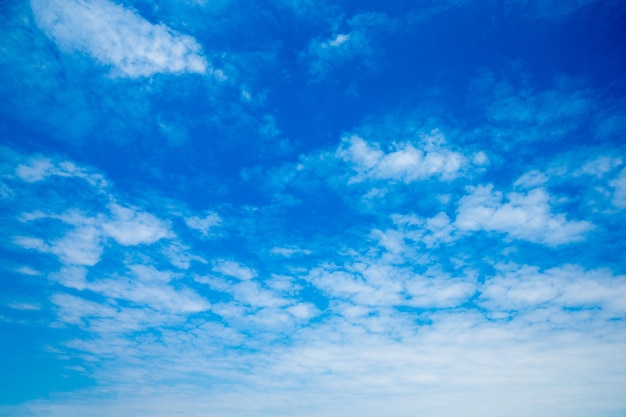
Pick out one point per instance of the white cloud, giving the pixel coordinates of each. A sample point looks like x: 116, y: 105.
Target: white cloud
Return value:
x: 439, y: 291
x: 39, y: 168
x: 531, y: 179
x: 117, y: 36
x: 27, y: 270
x: 132, y: 227
x: 145, y: 286
x: 377, y: 284
x: 525, y: 216
x: 234, y: 269
x: 288, y: 252
x: 36, y: 170
x: 430, y: 232
x: 303, y: 311
x: 619, y: 189
x: 157, y: 295
x: 404, y: 162
x: 339, y: 40
x: 16, y: 305
x: 181, y: 256
x: 73, y: 310
x: 599, y: 166
x: 71, y: 277
x: 526, y: 287
x: 80, y: 246
x: 28, y: 242
x: 355, y: 45
x: 203, y: 224
x: 251, y: 293
x: 327, y: 54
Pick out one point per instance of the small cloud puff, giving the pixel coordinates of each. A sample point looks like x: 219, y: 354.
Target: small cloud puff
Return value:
x: 132, y: 227
x: 289, y: 252
x: 339, y: 49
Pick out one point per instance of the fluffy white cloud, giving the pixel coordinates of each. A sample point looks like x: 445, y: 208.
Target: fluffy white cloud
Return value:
x: 525, y: 216
x: 79, y: 246
x: 234, y: 269
x: 117, y: 36
x: 403, y: 162
x: 132, y: 227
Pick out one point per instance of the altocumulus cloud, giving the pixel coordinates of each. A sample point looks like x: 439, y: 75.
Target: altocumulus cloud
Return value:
x: 382, y: 212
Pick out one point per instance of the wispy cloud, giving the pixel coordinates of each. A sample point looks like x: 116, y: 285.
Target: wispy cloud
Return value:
x: 203, y: 224
x: 234, y: 269
x: 619, y: 189
x: 352, y: 47
x: 39, y: 168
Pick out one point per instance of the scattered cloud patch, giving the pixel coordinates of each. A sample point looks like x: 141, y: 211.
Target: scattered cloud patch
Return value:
x: 525, y: 216
x: 203, y: 224
x: 599, y: 167
x: 518, y: 114
x: 352, y: 47
x: 619, y: 189
x: 132, y: 227
x: 24, y: 306
x: 366, y: 266
x: 27, y: 270
x: 39, y: 168
x: 119, y: 37
x: 403, y: 162
x: 234, y: 269
x: 377, y: 284
x: 289, y: 252
x: 518, y: 288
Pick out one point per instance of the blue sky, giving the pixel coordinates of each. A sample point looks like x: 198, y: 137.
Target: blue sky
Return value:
x: 299, y: 208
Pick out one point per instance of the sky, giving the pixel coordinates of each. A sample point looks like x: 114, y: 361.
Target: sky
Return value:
x: 312, y: 208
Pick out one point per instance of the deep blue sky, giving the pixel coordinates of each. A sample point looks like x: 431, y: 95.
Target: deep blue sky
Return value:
x: 306, y: 208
